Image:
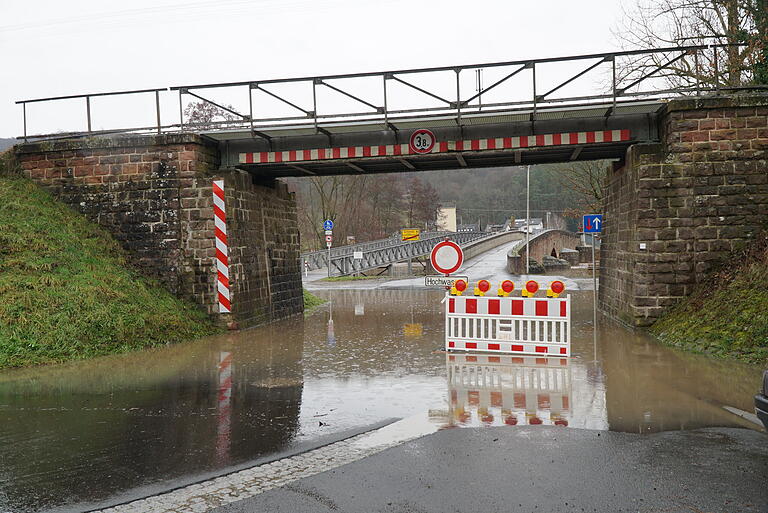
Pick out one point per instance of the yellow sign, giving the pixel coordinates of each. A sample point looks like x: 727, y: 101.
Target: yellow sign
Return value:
x: 412, y: 330
x: 410, y: 233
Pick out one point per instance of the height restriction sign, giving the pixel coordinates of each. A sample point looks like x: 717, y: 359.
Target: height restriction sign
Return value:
x: 422, y: 141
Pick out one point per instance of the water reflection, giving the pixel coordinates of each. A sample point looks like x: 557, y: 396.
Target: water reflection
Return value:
x: 508, y: 390
x: 76, y: 434
x: 84, y: 432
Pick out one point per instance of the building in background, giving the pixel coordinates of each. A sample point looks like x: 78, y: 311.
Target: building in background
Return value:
x: 536, y: 225
x: 446, y: 219
x: 469, y: 228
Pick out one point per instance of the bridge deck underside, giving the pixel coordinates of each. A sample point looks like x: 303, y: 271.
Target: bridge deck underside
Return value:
x: 552, y: 136
x: 443, y: 161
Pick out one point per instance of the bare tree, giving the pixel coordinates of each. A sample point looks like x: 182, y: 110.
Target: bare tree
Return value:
x: 337, y: 198
x: 653, y: 24
x: 206, y: 115
x: 586, y: 179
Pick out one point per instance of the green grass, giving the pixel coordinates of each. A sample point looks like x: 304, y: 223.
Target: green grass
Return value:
x: 311, y: 301
x: 67, y: 292
x: 728, y: 315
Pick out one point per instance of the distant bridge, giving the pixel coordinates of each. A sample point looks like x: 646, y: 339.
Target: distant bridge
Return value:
x: 383, y: 253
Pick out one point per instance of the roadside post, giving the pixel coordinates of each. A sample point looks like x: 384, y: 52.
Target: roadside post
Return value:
x: 328, y: 227
x: 592, y: 224
x: 410, y: 235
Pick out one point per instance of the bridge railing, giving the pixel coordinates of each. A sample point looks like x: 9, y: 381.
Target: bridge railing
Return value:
x: 319, y: 259
x: 453, y: 91
x: 347, y: 264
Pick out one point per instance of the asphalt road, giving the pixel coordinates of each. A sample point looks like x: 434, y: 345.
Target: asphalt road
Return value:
x: 541, y: 469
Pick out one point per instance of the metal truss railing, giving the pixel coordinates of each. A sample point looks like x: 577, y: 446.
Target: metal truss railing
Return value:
x: 313, y: 260
x: 400, y: 252
x: 612, y: 91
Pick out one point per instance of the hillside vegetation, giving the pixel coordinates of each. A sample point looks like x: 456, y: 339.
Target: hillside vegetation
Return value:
x: 66, y: 290
x: 728, y: 314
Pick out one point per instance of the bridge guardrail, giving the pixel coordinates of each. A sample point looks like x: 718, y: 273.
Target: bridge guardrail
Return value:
x: 319, y: 259
x: 646, y: 67
x: 346, y: 264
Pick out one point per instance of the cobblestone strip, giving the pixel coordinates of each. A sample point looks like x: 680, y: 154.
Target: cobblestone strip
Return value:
x: 201, y: 497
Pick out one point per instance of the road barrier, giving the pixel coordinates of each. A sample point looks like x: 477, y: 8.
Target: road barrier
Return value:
x: 524, y: 325
x: 511, y: 390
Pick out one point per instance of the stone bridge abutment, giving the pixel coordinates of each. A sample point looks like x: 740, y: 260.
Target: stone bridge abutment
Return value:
x: 677, y: 209
x: 155, y: 195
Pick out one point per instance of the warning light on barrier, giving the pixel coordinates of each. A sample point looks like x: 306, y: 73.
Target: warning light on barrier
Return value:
x: 531, y: 287
x: 459, y: 286
x: 483, y: 286
x: 556, y: 288
x: 506, y: 288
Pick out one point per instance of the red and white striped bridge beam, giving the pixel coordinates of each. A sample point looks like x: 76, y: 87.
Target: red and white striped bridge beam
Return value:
x: 493, y: 144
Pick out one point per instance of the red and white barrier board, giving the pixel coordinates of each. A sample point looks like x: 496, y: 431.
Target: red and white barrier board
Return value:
x: 519, y: 325
x: 222, y: 249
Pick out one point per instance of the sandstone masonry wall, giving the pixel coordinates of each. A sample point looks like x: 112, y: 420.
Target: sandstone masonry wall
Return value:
x: 264, y: 250
x: 154, y: 194
x: 692, y: 200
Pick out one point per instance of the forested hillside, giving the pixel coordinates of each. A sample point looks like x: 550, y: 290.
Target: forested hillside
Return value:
x: 369, y: 207
x: 6, y: 143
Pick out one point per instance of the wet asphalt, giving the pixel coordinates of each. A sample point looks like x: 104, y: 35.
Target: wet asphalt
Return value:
x: 543, y: 469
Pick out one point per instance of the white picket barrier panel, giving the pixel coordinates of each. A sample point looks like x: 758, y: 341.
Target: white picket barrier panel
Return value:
x: 515, y: 325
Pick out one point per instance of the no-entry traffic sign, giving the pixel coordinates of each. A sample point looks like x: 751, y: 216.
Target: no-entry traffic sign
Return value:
x: 446, y: 257
x: 422, y: 141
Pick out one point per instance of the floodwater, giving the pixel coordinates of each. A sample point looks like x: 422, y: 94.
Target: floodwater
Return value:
x: 88, y: 434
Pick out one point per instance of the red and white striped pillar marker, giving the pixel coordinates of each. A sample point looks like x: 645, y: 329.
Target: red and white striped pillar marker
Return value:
x: 222, y: 250
x: 224, y: 406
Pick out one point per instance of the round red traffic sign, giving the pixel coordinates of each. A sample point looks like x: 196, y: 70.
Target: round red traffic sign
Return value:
x: 446, y: 257
x: 422, y: 141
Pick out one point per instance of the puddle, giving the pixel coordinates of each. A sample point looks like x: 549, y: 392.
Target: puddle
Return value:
x: 77, y: 434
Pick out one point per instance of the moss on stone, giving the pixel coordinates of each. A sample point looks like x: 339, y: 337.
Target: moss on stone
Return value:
x: 727, y: 315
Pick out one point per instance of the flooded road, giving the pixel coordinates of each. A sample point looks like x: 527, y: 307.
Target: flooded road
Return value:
x: 83, y: 435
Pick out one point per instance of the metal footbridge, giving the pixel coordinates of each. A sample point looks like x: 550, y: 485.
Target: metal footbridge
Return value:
x: 382, y: 253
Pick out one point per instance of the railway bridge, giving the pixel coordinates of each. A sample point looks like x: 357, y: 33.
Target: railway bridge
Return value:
x: 200, y: 205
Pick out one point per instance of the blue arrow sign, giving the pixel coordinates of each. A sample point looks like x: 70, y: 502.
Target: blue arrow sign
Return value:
x: 328, y: 225
x: 593, y: 223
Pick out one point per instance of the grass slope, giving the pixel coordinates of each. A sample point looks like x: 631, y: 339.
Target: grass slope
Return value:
x: 727, y: 316
x: 311, y: 301
x: 66, y: 291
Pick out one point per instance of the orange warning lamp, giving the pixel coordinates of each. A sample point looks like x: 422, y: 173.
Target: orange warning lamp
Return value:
x: 531, y: 287
x: 483, y: 286
x: 506, y: 288
x: 556, y: 288
x: 459, y: 286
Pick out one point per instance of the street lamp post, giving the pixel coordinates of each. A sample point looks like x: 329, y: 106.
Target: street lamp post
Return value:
x: 527, y: 217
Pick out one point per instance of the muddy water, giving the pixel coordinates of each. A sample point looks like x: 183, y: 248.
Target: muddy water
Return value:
x: 87, y: 434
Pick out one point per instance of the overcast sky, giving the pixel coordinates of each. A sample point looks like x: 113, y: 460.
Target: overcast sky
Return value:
x: 55, y: 47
